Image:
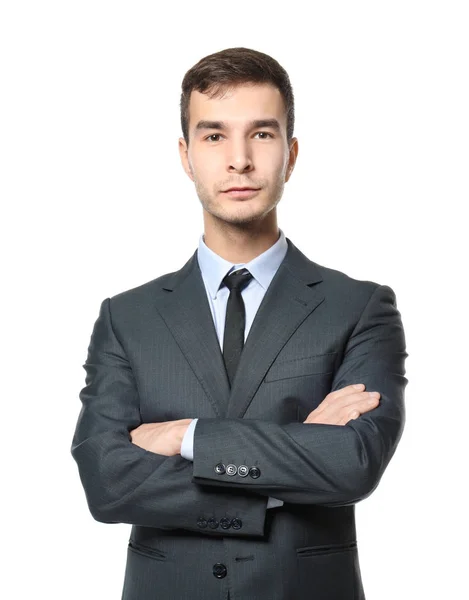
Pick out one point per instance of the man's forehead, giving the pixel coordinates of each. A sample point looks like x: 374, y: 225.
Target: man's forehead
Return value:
x: 238, y: 105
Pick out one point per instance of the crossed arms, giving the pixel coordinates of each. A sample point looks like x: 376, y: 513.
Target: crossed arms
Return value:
x: 321, y: 463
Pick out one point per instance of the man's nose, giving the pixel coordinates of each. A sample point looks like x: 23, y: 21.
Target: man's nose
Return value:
x: 239, y: 158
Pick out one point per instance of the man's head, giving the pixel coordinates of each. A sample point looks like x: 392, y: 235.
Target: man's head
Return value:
x: 237, y: 118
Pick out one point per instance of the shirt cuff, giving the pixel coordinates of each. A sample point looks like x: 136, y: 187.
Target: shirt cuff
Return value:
x: 187, y: 445
x: 273, y: 502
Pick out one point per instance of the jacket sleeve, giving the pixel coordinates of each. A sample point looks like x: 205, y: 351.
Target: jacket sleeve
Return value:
x: 187, y: 451
x: 125, y: 483
x: 331, y: 465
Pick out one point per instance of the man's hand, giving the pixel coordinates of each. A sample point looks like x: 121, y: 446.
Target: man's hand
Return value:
x: 162, y: 438
x: 341, y: 406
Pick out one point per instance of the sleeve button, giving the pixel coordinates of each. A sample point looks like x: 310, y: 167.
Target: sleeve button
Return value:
x: 231, y: 470
x: 225, y: 523
x: 254, y: 472
x: 220, y: 469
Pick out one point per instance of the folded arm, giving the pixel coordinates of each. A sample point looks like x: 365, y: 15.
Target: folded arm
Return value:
x: 312, y: 463
x: 124, y: 483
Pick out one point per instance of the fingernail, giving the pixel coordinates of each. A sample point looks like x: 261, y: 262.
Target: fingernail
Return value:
x: 358, y: 386
x: 374, y: 394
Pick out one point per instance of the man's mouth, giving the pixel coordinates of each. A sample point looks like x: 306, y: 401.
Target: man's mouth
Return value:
x: 239, y: 189
x: 241, y: 192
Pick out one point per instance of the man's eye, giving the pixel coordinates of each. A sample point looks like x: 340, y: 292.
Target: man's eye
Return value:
x: 217, y: 135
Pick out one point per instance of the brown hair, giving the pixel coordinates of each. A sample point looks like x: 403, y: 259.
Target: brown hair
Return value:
x: 228, y: 68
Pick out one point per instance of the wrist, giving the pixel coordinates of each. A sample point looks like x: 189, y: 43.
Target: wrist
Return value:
x: 183, y: 427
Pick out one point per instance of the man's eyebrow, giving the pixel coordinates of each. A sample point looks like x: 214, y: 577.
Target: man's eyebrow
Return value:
x: 272, y: 123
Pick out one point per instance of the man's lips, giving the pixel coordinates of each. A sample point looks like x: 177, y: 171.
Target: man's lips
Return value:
x: 241, y: 193
x: 239, y: 189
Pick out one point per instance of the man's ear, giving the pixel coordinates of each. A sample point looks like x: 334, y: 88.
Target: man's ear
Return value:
x: 183, y: 153
x: 292, y: 158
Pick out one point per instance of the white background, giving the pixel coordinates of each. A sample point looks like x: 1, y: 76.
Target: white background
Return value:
x: 95, y: 201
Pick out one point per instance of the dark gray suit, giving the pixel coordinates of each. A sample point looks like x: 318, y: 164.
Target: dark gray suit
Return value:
x: 201, y: 529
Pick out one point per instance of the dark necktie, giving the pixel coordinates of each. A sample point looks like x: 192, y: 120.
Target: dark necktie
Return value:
x: 233, y: 338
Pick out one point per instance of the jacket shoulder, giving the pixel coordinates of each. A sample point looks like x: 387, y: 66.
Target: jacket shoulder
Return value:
x: 340, y: 282
x: 353, y: 295
x: 140, y: 298
x: 145, y: 289
x: 334, y: 281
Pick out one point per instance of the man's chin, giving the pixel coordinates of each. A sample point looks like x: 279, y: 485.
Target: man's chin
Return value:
x: 239, y: 217
x: 237, y: 212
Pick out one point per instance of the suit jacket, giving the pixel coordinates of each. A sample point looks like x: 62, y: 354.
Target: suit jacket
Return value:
x: 201, y: 529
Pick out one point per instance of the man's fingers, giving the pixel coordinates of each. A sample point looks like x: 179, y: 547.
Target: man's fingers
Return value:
x: 361, y: 398
x: 354, y: 414
x: 349, y: 390
x: 332, y: 404
x: 335, y: 413
x: 339, y: 410
x: 353, y: 411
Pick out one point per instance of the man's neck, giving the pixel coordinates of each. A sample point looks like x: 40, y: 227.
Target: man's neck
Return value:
x: 240, y: 244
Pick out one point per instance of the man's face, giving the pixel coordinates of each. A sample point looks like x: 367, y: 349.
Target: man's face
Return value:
x: 230, y: 146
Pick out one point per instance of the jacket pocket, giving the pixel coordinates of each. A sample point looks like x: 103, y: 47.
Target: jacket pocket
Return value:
x: 146, y: 550
x: 329, y: 572
x: 299, y: 367
x: 321, y: 550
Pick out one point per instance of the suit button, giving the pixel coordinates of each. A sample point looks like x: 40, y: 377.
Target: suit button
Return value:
x: 201, y: 522
x: 225, y: 523
x: 231, y: 470
x: 219, y: 570
x: 254, y: 472
x: 243, y: 470
x: 220, y: 469
x: 236, y: 523
x: 212, y: 523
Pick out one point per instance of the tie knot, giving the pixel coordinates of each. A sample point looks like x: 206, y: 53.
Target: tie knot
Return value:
x: 237, y: 280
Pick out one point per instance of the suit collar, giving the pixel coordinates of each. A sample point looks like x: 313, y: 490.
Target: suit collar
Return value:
x: 294, y: 261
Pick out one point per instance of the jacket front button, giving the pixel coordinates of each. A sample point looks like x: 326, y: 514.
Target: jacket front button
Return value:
x: 236, y: 523
x: 220, y: 469
x: 219, y: 570
x: 254, y: 472
x: 201, y: 522
x: 212, y: 523
x: 225, y: 523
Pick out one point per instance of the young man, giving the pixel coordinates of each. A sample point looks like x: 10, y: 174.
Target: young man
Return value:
x: 228, y: 413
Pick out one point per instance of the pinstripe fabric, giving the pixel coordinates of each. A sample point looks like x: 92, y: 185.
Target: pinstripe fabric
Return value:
x: 154, y: 356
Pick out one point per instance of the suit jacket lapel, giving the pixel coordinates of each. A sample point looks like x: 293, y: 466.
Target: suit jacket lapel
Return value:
x: 186, y: 312
x: 286, y: 304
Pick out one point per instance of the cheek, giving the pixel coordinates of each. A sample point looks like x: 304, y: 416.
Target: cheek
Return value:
x: 272, y: 164
x: 207, y: 168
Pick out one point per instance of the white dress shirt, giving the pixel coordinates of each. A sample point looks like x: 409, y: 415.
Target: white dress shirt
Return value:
x: 214, y: 268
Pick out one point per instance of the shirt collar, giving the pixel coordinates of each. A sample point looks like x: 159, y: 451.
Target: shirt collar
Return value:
x: 263, y: 267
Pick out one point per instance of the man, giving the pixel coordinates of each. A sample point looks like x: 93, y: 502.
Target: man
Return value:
x: 228, y: 413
